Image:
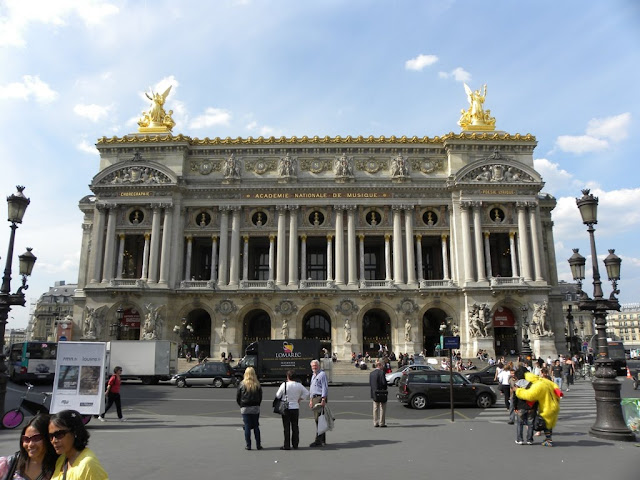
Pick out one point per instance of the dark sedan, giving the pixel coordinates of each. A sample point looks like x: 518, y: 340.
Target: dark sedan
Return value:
x: 432, y: 387
x: 487, y: 375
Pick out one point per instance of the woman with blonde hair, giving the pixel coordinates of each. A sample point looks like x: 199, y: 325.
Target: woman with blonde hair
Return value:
x: 249, y: 397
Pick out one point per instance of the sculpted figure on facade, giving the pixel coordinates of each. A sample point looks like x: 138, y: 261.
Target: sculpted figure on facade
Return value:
x: 399, y: 167
x: 344, y: 167
x: 152, y: 318
x: 231, y: 168
x: 91, y: 319
x: 539, y: 324
x: 479, y: 320
x: 347, y: 330
x: 156, y: 117
x: 407, y: 330
x: 223, y: 331
x: 287, y: 166
x: 285, y: 328
x: 475, y: 115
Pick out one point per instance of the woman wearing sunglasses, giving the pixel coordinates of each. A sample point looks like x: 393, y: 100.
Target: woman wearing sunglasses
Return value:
x: 37, y: 458
x: 69, y: 438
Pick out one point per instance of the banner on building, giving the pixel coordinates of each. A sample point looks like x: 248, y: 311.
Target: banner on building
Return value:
x: 79, y: 379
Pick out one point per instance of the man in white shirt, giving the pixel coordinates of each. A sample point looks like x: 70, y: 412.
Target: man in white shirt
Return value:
x: 503, y: 380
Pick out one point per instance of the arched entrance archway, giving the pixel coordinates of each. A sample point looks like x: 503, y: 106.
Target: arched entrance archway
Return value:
x: 200, y: 320
x: 317, y: 324
x: 431, y: 321
x: 376, y: 330
x: 504, y: 328
x: 256, y: 326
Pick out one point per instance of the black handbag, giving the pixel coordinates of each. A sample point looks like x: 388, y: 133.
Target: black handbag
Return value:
x: 281, y: 405
x: 381, y: 396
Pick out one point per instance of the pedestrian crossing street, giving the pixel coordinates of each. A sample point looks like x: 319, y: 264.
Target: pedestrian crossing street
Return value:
x: 577, y: 407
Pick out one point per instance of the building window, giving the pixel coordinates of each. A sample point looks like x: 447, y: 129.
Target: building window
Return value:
x: 316, y: 263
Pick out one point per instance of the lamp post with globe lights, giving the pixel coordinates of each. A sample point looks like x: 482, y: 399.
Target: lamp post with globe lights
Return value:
x: 183, y: 332
x: 609, y: 422
x: 118, y: 328
x: 17, y: 204
x: 526, y: 342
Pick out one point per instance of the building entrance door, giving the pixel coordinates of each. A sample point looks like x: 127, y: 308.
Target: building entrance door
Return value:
x: 376, y: 331
x: 256, y: 326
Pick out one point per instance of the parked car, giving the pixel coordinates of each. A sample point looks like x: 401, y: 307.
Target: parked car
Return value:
x: 394, y: 377
x: 486, y: 375
x: 217, y: 374
x: 422, y: 388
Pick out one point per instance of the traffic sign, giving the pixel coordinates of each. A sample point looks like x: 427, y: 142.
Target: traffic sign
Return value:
x: 451, y: 342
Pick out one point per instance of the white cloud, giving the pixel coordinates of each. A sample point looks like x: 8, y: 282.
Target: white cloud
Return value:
x: 598, y: 132
x: 614, y: 128
x: 459, y: 74
x: 555, y: 178
x: 92, y: 112
x: 20, y: 14
x: 211, y: 117
x: 87, y: 147
x: 31, y: 86
x: 420, y: 62
x: 580, y: 144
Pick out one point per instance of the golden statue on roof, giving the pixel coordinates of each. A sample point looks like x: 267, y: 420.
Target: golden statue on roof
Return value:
x: 476, y: 118
x: 156, y: 120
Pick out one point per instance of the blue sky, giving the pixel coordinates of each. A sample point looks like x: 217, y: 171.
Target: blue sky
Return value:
x: 76, y: 70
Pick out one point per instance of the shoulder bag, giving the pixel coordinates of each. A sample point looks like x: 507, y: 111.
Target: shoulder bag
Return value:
x: 281, y: 405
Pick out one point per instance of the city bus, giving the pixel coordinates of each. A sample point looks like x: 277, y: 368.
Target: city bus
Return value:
x: 32, y: 361
x: 616, y: 353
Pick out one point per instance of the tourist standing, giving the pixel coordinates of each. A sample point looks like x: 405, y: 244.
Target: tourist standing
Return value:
x: 378, y: 384
x: 292, y: 392
x: 319, y: 392
x: 249, y: 397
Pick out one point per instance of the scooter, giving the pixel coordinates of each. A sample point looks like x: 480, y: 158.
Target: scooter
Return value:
x: 14, y: 418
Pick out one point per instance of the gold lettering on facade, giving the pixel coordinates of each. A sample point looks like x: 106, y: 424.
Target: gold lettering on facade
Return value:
x: 318, y: 195
x: 136, y: 194
x: 498, y: 192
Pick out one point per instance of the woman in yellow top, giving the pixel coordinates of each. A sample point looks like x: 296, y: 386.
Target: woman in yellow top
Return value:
x: 69, y: 438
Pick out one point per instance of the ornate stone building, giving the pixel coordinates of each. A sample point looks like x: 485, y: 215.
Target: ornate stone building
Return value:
x: 50, y: 311
x: 358, y: 241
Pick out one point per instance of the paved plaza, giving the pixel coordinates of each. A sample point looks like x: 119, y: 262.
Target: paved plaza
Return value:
x: 151, y: 446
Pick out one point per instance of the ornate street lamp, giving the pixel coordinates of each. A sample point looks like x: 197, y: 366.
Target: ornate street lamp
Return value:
x: 17, y: 204
x: 118, y: 328
x: 609, y: 422
x: 183, y: 332
x: 526, y: 343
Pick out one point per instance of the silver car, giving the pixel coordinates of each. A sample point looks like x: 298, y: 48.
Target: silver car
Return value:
x: 394, y: 377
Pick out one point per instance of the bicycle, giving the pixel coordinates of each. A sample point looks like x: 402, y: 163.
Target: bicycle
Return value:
x: 14, y: 418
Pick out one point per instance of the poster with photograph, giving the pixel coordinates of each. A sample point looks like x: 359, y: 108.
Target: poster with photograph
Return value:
x: 78, y: 383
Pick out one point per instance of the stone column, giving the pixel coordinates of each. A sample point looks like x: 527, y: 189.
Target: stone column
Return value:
x: 281, y: 247
x: 351, y: 246
x: 245, y: 258
x: 419, y: 257
x: 293, y: 245
x: 411, y: 262
x: 214, y: 258
x: 120, y: 255
x: 487, y: 254
x: 187, y: 262
x: 83, y: 271
x: 224, y: 248
x: 271, y: 257
x: 145, y: 257
x: 523, y: 242
x: 339, y: 245
x: 535, y: 242
x: 234, y: 251
x: 303, y: 257
x: 514, y: 259
x: 361, y: 238
x: 329, y: 259
x: 154, y: 256
x: 445, y: 257
x: 109, y: 250
x: 398, y: 274
x: 477, y: 233
x: 387, y: 257
x: 466, y: 241
x: 165, y: 255
x: 97, y: 245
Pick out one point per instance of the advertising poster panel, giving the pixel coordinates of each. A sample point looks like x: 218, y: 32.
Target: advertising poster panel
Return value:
x: 79, y: 380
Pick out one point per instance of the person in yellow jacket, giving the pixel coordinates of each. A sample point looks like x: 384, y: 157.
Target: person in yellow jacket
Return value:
x: 548, y: 395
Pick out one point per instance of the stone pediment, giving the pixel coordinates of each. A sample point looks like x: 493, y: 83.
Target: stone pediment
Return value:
x: 129, y: 174
x: 497, y: 173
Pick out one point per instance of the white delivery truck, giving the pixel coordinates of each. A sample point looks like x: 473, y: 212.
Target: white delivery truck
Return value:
x: 148, y: 360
